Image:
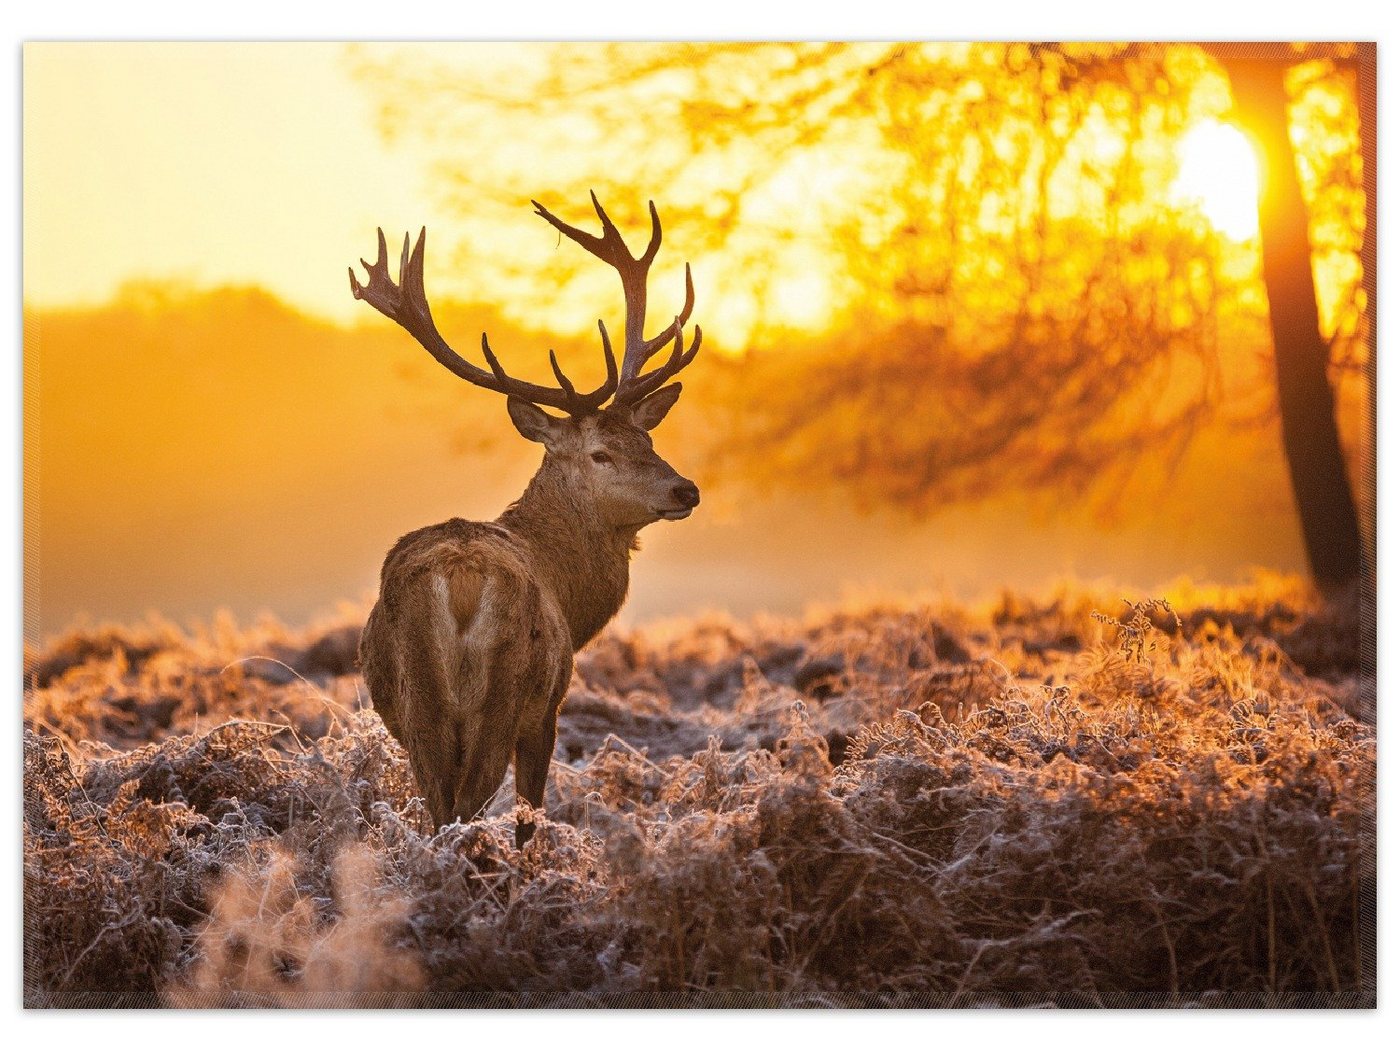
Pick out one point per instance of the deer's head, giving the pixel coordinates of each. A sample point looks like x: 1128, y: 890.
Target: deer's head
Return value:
x: 600, y: 446
x: 609, y: 461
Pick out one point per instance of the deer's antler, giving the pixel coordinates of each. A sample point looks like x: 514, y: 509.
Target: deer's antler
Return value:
x: 406, y: 303
x: 637, y: 349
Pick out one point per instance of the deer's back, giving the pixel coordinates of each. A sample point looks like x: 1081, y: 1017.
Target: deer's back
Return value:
x: 460, y: 596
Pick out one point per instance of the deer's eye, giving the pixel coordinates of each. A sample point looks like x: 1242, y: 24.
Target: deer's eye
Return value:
x: 601, y: 457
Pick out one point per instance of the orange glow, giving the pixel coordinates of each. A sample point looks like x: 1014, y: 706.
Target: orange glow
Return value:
x: 262, y: 446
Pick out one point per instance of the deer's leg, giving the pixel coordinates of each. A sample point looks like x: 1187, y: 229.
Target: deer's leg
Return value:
x: 434, y: 752
x: 480, y: 774
x: 435, y: 783
x: 533, y: 752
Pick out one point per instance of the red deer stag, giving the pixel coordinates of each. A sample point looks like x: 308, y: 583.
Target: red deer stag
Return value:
x: 469, y: 649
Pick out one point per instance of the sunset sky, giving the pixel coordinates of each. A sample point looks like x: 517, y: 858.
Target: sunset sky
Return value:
x: 206, y: 163
x: 210, y: 164
x: 251, y: 458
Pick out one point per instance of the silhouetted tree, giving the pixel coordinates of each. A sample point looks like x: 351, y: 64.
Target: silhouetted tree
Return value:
x: 1312, y: 444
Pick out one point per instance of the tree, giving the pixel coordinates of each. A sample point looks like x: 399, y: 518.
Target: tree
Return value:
x: 980, y: 227
x: 1331, y: 526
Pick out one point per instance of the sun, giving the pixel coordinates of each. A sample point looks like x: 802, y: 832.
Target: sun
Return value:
x: 1218, y: 172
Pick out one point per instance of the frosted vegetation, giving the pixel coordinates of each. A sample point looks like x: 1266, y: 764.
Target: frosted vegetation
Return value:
x: 1068, y: 801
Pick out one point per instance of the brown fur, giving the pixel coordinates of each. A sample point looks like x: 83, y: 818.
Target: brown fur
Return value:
x: 469, y: 650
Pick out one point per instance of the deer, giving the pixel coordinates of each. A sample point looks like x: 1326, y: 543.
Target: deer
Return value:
x: 469, y: 649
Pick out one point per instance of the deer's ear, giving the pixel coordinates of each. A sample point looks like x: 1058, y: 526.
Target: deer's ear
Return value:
x: 533, y: 422
x: 652, y: 409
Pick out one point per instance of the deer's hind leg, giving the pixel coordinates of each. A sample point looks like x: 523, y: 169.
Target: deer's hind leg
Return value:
x: 489, y: 690
x: 487, y: 716
x: 534, y: 747
x: 533, y: 752
x: 408, y: 662
x: 480, y: 774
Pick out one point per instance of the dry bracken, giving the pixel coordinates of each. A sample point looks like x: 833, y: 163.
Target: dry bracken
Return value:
x: 888, y: 806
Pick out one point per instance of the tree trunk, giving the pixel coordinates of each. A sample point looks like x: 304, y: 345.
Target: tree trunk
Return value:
x: 1365, y: 67
x: 1311, y: 443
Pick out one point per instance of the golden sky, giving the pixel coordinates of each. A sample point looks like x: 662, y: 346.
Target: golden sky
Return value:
x: 257, y: 163
x: 217, y: 163
x: 252, y: 459
x: 206, y: 163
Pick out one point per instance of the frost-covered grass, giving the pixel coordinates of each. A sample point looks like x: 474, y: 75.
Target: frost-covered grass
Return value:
x: 1070, y: 801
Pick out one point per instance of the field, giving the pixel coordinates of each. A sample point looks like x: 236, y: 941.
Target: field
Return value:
x: 1074, y: 800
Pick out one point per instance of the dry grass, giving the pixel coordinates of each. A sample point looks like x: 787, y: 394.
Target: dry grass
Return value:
x: 897, y: 806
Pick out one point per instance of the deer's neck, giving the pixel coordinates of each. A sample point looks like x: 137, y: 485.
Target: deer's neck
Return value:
x: 582, y: 561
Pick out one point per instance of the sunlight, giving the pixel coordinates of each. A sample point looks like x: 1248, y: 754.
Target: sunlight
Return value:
x: 1219, y: 173
x: 801, y: 300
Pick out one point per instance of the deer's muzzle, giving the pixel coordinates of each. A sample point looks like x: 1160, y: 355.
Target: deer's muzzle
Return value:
x: 685, y: 496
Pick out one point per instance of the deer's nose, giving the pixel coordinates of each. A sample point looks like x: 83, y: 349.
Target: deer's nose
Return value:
x: 686, y: 494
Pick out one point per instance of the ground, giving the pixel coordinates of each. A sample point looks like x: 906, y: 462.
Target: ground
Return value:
x: 1076, y: 800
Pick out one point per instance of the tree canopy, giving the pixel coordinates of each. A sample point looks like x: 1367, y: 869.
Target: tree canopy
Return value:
x: 945, y: 269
